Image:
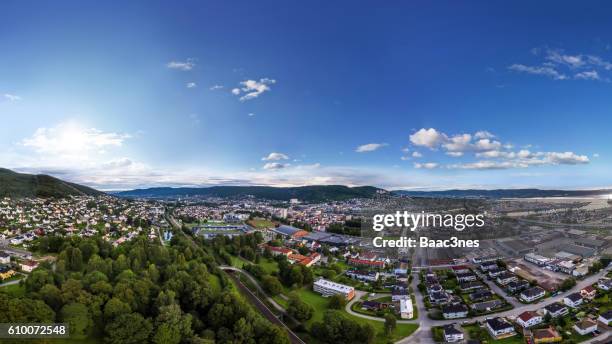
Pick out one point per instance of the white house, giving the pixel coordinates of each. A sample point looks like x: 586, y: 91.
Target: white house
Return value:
x: 499, y: 328
x: 573, y: 300
x: 606, y: 318
x: 454, y: 311
x: 29, y: 265
x: 532, y: 294
x: 605, y: 284
x: 529, y: 319
x: 406, y: 310
x: 585, y: 326
x: 4, y: 258
x: 452, y: 334
x: 556, y: 310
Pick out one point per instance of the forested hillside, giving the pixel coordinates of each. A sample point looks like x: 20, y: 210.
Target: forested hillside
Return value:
x: 139, y: 292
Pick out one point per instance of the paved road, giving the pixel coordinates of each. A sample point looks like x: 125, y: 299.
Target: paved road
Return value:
x: 11, y: 282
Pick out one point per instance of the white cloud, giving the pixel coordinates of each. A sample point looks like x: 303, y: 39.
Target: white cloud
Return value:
x: 588, y: 75
x: 215, y: 87
x: 430, y: 138
x: 117, y: 163
x: 483, y: 134
x: 12, y: 97
x: 250, y: 114
x: 274, y: 156
x: 71, y: 139
x: 427, y: 165
x: 182, y: 65
x: 595, y: 155
x: 275, y: 166
x: 486, y: 144
x: 417, y: 155
x: 370, y: 147
x: 565, y: 158
x: 253, y: 88
x: 538, y: 70
x: 404, y: 158
x: 557, y: 56
x: 458, y: 143
x: 191, y: 85
x: 558, y: 65
x: 454, y: 154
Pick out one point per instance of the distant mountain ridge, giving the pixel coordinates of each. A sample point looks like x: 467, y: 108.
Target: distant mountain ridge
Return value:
x: 504, y: 193
x: 304, y: 193
x: 14, y: 184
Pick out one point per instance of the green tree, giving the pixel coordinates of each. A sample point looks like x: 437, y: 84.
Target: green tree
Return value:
x: 77, y: 316
x: 390, y: 323
x: 337, y: 302
x: 298, y: 309
x: 130, y: 328
x: 272, y: 285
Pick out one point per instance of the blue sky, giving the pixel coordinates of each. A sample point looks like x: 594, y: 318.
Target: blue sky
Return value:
x: 402, y: 95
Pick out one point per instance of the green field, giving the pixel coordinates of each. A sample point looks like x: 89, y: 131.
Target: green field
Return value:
x: 259, y: 223
x: 14, y: 290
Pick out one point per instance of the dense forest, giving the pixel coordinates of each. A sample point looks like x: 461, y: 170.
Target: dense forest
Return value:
x: 139, y: 292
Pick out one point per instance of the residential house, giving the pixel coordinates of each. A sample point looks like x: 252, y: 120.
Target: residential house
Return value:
x: 482, y: 294
x: 605, y: 284
x: 585, y: 326
x: 6, y: 272
x: 454, y: 311
x: 573, y: 300
x: 588, y: 292
x: 493, y: 273
x: 556, y: 310
x: 546, y: 335
x: 466, y: 277
x: 532, y: 294
x: 605, y: 318
x: 506, y: 277
x: 367, y: 276
x: 500, y: 328
x: 452, y: 334
x: 28, y: 265
x: 529, y: 319
x: 399, y: 294
x: 406, y: 309
x: 5, y: 258
x: 485, y: 267
x: 516, y: 286
x: 461, y: 269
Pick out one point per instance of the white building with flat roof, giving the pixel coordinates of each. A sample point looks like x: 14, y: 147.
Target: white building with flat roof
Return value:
x: 328, y: 288
x: 406, y: 309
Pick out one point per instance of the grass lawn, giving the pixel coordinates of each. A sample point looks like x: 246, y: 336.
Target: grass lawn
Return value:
x: 238, y: 262
x: 269, y: 265
x: 215, y: 283
x: 14, y: 290
x: 259, y: 223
